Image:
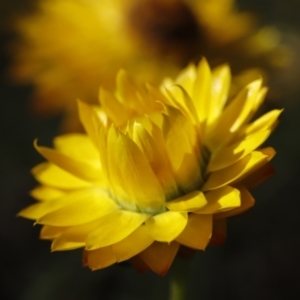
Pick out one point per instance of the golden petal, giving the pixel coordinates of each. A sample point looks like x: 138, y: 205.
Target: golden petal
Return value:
x: 182, y: 145
x: 78, y: 146
x: 221, y: 79
x: 222, y: 199
x: 247, y: 201
x: 165, y: 227
x: 197, y: 232
x: 45, y: 193
x: 228, y: 155
x: 202, y: 90
x: 159, y: 256
x: 155, y: 152
x: 51, y: 232
x: 190, y: 202
x: 133, y: 244
x: 225, y: 176
x: 51, y: 175
x: 131, y: 176
x: 83, y: 170
x: 99, y: 258
x: 114, y: 228
x: 92, y: 205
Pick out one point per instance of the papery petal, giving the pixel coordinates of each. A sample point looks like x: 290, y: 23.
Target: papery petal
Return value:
x: 99, y: 258
x: 90, y: 207
x: 221, y: 79
x: 230, y: 174
x: 247, y: 201
x: 222, y: 199
x: 51, y: 232
x: 131, y: 176
x: 165, y: 227
x: 189, y: 202
x: 114, y: 227
x: 133, y: 244
x: 202, y: 90
x: 159, y: 256
x: 45, y: 193
x: 51, y: 175
x: 197, y: 232
x: 154, y: 151
x: 181, y: 138
x: 228, y: 155
x: 83, y: 170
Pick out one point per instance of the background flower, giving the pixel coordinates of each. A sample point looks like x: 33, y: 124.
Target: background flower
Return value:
x: 68, y: 48
x: 154, y: 172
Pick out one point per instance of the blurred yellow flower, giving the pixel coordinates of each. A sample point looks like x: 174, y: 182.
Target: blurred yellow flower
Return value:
x: 158, y: 168
x: 70, y: 47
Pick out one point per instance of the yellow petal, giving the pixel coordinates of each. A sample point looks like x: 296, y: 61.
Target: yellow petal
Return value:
x: 222, y: 199
x: 247, y: 201
x: 197, y: 232
x: 117, y: 112
x: 93, y: 205
x: 45, y: 193
x: 51, y: 175
x: 51, y: 232
x: 228, y: 155
x: 221, y: 79
x: 114, y: 227
x: 73, y: 237
x: 230, y: 174
x: 202, y: 90
x: 159, y: 256
x: 99, y: 258
x: 264, y: 122
x: 133, y: 244
x: 234, y: 116
x: 154, y: 150
x: 165, y: 227
x: 78, y: 146
x: 182, y: 147
x: 72, y: 165
x: 90, y: 120
x: 131, y: 176
x: 189, y: 202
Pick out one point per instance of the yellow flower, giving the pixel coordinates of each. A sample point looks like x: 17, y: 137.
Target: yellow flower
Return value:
x: 70, y: 47
x: 158, y: 168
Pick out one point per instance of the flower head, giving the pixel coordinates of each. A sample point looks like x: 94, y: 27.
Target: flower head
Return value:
x: 157, y: 169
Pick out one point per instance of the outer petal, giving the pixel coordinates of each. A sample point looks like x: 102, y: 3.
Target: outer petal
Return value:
x: 222, y: 199
x: 228, y: 155
x: 73, y: 237
x: 80, y: 169
x: 114, y: 227
x: 197, y: 232
x: 247, y: 201
x: 189, y: 202
x: 51, y: 232
x: 45, y: 193
x: 219, y: 232
x: 230, y: 174
x: 51, y: 175
x: 133, y: 244
x: 91, y: 206
x: 165, y: 227
x: 99, y: 258
x: 159, y: 256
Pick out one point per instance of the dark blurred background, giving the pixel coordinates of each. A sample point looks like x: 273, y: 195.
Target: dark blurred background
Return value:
x: 260, y: 259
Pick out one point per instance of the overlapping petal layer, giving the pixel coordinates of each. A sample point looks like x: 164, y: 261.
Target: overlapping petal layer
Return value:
x: 165, y: 173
